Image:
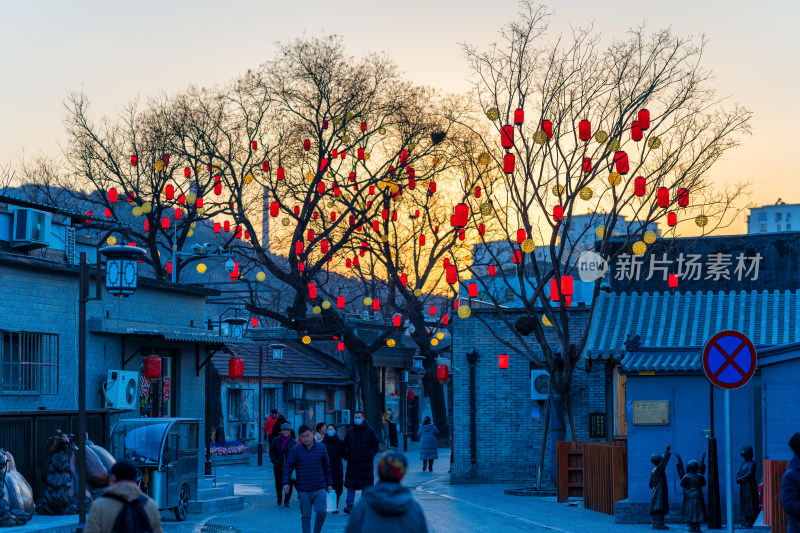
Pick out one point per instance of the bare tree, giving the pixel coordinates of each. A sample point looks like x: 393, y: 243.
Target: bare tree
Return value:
x: 586, y: 143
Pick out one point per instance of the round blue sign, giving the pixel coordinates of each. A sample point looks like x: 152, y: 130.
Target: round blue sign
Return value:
x: 729, y: 360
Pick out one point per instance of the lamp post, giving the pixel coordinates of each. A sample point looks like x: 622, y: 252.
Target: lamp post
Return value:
x: 122, y: 272
x: 277, y: 355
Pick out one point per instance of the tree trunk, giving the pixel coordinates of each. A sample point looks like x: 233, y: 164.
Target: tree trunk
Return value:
x: 558, y: 432
x: 435, y: 392
x: 370, y: 391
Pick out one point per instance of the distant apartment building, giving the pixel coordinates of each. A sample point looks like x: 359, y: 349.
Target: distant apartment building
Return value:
x: 774, y: 218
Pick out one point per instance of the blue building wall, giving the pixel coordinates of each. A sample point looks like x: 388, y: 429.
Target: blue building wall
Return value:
x: 689, y: 416
x: 781, y: 407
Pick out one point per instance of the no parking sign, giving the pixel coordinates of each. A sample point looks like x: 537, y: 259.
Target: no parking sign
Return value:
x: 729, y: 360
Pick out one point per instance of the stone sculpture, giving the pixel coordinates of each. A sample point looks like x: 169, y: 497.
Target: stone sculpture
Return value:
x: 692, y: 481
x: 16, y: 501
x: 659, y: 499
x: 748, y: 488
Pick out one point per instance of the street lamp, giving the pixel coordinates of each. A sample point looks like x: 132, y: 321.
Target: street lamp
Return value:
x: 277, y: 351
x: 122, y: 271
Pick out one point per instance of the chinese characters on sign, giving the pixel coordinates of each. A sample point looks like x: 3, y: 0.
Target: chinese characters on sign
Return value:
x: 144, y: 391
x: 166, y: 388
x: 597, y: 425
x: 651, y: 413
x: 717, y: 266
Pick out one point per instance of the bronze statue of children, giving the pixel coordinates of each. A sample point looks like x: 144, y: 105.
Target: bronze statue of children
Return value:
x: 659, y: 498
x: 694, y: 505
x: 748, y: 489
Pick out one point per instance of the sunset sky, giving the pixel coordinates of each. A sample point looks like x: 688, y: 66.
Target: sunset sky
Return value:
x: 115, y: 51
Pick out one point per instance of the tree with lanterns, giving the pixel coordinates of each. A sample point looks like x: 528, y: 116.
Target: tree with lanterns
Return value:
x: 624, y: 133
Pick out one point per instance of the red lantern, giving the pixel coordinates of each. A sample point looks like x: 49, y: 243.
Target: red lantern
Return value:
x: 566, y: 285
x: 683, y: 197
x: 422, y: 240
x: 432, y: 310
x: 672, y: 280
x: 451, y: 274
x: 134, y: 160
x: 178, y: 213
x: 663, y: 197
x: 164, y: 223
x: 312, y: 291
x: 442, y: 373
x: 216, y: 227
x: 587, y: 164
x: 199, y: 203
x: 472, y: 290
x: 445, y: 262
x: 445, y: 319
x: 558, y: 213
x: 672, y: 219
x: 112, y: 196
x: 584, y: 130
x: 307, y: 145
x: 411, y: 395
x: 235, y: 368
x: 397, y: 321
x: 621, y: 161
x: 340, y: 346
x: 254, y: 145
x: 182, y: 199
x: 482, y: 229
x: 519, y: 117
x: 547, y: 128
x: 340, y: 302
x: 146, y: 226
x: 639, y: 186
x: 321, y: 187
x: 169, y: 192
x: 492, y: 270
x: 461, y: 216
x: 517, y: 258
x: 274, y: 209
x: 108, y: 213
x: 235, y: 274
x: 636, y: 131
x: 404, y: 279
x: 376, y: 305
x: 152, y: 367
x: 254, y: 322
x: 360, y: 153
x: 281, y: 174
x: 507, y: 137
x: 521, y: 235
x: 226, y: 226
x: 218, y: 189
x: 403, y: 157
x: 165, y: 159
x: 432, y: 187
x: 503, y: 361
x: 363, y: 126
x: 643, y: 118
x: 509, y: 162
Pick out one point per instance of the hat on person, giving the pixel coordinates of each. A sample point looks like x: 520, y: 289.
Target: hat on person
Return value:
x: 286, y: 426
x: 124, y: 470
x: 794, y: 444
x: 392, y: 466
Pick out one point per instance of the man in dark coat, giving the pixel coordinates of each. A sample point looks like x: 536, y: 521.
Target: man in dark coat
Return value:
x: 310, y: 458
x: 790, y: 487
x: 388, y: 507
x: 360, y: 448
x: 659, y: 495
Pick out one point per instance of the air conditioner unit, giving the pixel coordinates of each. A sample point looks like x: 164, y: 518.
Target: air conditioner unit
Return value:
x: 540, y: 384
x: 31, y: 228
x: 121, y: 389
x: 343, y: 416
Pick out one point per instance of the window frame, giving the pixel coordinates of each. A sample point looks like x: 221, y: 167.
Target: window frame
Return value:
x: 36, y: 367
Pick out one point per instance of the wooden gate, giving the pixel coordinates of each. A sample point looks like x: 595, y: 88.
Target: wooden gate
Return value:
x: 773, y: 510
x: 605, y: 475
x: 569, y: 464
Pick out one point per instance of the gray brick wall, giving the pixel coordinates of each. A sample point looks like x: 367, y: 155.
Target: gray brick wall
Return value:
x: 508, y: 438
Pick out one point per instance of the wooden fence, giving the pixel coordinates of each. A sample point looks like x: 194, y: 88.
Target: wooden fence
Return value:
x: 773, y: 510
x: 594, y: 471
x: 569, y: 464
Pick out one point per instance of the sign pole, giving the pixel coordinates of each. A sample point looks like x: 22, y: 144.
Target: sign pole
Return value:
x: 728, y: 473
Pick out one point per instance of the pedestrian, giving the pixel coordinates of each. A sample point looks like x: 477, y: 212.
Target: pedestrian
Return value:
x: 388, y: 507
x: 269, y: 423
x: 386, y: 419
x: 279, y: 454
x: 123, y: 496
x: 427, y: 444
x: 219, y: 432
x: 790, y: 487
x: 319, y: 434
x: 335, y: 447
x: 310, y: 459
x: 360, y: 449
x: 276, y: 428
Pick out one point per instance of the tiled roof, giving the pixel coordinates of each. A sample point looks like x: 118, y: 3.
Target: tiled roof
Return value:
x: 689, y: 319
x: 174, y: 334
x: 663, y: 361
x: 298, y: 364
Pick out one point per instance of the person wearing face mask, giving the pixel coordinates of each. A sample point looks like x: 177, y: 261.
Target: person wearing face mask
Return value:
x: 335, y: 447
x: 360, y: 447
x: 278, y: 454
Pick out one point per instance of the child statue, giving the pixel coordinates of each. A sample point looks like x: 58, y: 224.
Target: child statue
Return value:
x: 692, y: 481
x: 659, y: 498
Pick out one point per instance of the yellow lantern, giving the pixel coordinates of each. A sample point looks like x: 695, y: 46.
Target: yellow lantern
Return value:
x: 557, y: 189
x: 326, y: 304
x: 382, y: 130
x: 285, y: 221
x: 411, y: 146
x: 436, y: 160
x: 111, y: 241
x: 492, y: 114
x: 384, y: 238
x: 417, y: 292
x: 701, y: 220
x: 601, y: 136
x: 201, y: 268
x: 440, y: 335
x: 390, y: 343
x: 527, y: 246
x: 649, y: 236
x: 137, y: 211
x: 306, y: 339
x: 194, y: 225
x: 653, y: 142
x: 614, y: 145
x: 639, y: 248
x: 348, y: 116
x: 614, y: 179
x: 484, y: 159
x: 346, y: 139
x: 367, y: 301
x: 199, y: 168
x: 316, y: 309
x: 540, y: 137
x: 261, y: 276
x: 600, y: 231
x: 434, y: 342
x: 250, y: 131
x: 159, y: 166
x: 201, y: 211
x: 464, y: 311
x: 586, y: 193
x: 546, y: 321
x: 486, y: 209
x: 191, y: 198
x: 309, y: 175
x: 248, y: 179
x: 147, y: 207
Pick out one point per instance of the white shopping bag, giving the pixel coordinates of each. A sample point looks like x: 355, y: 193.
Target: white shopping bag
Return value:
x: 330, y: 501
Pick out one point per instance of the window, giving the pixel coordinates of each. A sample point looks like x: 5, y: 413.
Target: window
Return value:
x: 234, y: 404
x: 788, y: 216
x: 762, y: 216
x: 778, y: 216
x: 763, y: 227
x: 330, y: 400
x: 779, y: 227
x: 28, y: 363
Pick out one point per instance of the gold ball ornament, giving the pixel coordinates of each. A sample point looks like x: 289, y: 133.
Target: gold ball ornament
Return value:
x: 600, y: 231
x: 390, y: 343
x: 540, y: 137
x: 436, y: 161
x: 492, y: 114
x: 411, y: 147
x: 639, y: 248
x: 316, y: 309
x: 147, y: 207
x: 528, y: 246
x: 601, y: 136
x: 309, y: 175
x: 701, y: 220
x: 159, y: 166
x: 248, y: 179
x: 614, y: 145
x: 336, y: 121
x: 194, y: 225
x: 201, y: 268
x: 250, y: 130
x: 261, y: 276
x: 464, y: 311
x: 546, y: 321
x: 434, y: 342
x: 614, y: 179
x: 191, y: 198
x: 440, y: 335
x: 346, y: 139
x: 557, y: 189
x: 306, y: 339
x: 367, y: 301
x: 653, y: 142
x: 111, y: 241
x: 382, y: 130
x: 486, y: 208
x: 348, y: 116
x: 190, y: 233
x: 417, y: 292
x: 384, y: 238
x: 484, y: 159
x: 649, y: 237
x: 201, y: 211
x: 285, y: 221
x: 586, y: 193
x: 326, y: 304
x: 137, y: 211
x: 199, y: 168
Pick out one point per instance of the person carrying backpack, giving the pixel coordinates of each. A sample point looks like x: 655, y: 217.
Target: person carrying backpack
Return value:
x: 123, y: 508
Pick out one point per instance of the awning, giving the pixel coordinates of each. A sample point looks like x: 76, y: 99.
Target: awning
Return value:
x: 177, y: 335
x: 678, y: 362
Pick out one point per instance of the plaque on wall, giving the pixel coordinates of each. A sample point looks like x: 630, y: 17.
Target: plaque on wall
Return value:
x: 651, y: 413
x: 597, y: 425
